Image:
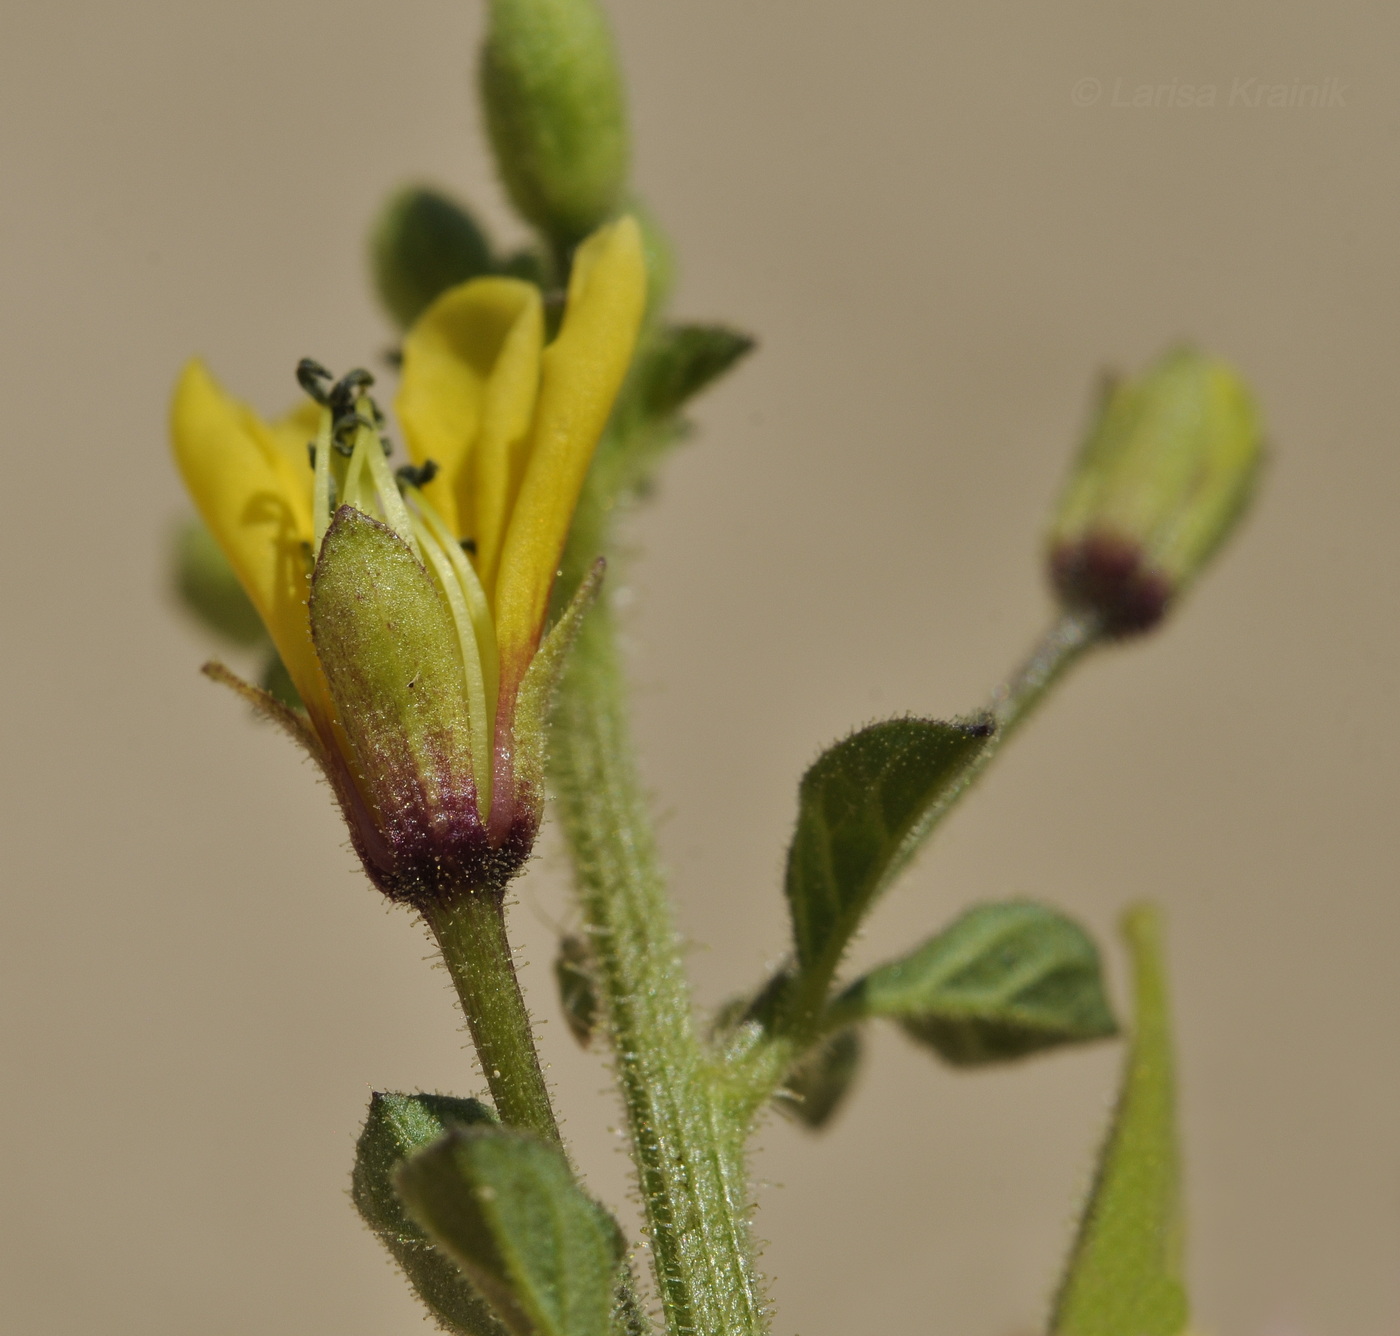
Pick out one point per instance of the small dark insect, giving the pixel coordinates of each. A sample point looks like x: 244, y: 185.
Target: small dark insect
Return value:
x: 416, y: 475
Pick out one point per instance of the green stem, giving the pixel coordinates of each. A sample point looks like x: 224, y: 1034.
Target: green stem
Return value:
x: 1071, y: 636
x: 472, y: 936
x: 688, y: 1148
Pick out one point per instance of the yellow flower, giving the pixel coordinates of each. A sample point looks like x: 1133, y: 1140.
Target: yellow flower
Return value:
x: 409, y: 609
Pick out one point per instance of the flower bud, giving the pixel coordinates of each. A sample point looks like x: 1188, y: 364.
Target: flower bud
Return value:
x: 1168, y: 468
x: 390, y: 652
x: 554, y: 109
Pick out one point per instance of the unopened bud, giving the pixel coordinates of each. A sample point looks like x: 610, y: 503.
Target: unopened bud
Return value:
x: 555, y: 111
x: 1168, y: 468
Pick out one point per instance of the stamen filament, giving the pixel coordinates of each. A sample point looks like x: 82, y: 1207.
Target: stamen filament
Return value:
x: 321, y: 491
x: 462, y: 589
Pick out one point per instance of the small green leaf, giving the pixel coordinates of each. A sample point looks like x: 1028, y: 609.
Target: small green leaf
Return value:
x: 505, y: 1206
x: 673, y: 365
x: 424, y: 243
x: 1003, y: 981
x: 819, y: 1084
x: 277, y: 681
x: 208, y: 588
x: 863, y: 809
x: 681, y: 360
x: 399, y: 1126
x: 578, y: 994
x: 1125, y: 1274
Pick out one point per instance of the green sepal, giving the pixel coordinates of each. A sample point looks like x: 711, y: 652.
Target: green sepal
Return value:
x: 205, y: 584
x: 398, y: 1127
x: 1003, y: 981
x: 386, y: 639
x: 555, y: 113
x: 864, y: 807
x: 505, y: 1206
x: 1125, y: 1270
x: 817, y: 1086
x: 422, y: 244
x: 542, y: 678
x: 578, y: 991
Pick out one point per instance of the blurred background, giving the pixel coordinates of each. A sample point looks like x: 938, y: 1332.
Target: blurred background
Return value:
x: 941, y: 221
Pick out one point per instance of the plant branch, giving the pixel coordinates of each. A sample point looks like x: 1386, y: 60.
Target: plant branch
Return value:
x: 472, y: 937
x: 686, y: 1143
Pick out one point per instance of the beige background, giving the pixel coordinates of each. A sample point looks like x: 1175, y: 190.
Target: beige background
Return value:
x: 939, y: 249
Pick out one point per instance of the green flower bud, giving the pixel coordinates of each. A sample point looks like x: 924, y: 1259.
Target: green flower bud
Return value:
x: 1167, y: 470
x: 423, y: 244
x: 555, y: 112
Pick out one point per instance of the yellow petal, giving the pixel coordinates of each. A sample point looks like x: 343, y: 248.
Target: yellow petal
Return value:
x: 580, y: 374
x: 257, y: 510
x: 291, y: 434
x: 498, y: 460
x: 449, y: 358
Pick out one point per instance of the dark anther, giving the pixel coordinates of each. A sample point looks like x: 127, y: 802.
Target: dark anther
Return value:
x: 310, y: 374
x: 469, y: 546
x: 311, y: 452
x: 347, y: 389
x: 417, y: 475
x: 346, y: 425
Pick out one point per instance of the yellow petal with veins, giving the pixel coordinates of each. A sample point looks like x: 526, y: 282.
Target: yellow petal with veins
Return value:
x: 450, y: 358
x: 580, y: 374
x: 259, y: 513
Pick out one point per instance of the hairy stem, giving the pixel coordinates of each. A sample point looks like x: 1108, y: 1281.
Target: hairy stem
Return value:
x: 687, y: 1145
x: 472, y: 936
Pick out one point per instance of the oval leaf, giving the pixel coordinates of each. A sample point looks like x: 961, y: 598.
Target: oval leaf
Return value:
x: 506, y: 1207
x: 863, y: 809
x: 398, y: 1127
x: 1003, y: 981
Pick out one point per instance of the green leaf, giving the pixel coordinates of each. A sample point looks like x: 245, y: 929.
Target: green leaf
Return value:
x: 863, y: 809
x: 1003, y: 981
x: 207, y: 587
x: 681, y: 360
x: 399, y: 1126
x: 578, y: 994
x: 673, y: 365
x: 819, y: 1084
x: 1125, y: 1273
x: 505, y: 1206
x: 424, y: 243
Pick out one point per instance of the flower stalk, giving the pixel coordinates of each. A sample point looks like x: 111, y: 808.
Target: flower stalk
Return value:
x: 471, y: 935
